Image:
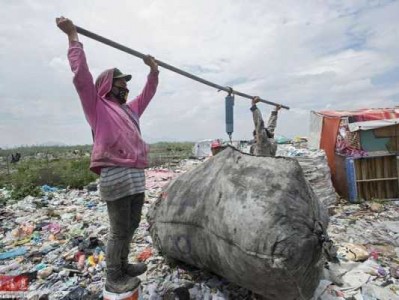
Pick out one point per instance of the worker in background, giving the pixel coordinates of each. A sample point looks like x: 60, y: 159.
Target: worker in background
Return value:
x: 216, y: 147
x: 15, y: 158
x: 264, y: 143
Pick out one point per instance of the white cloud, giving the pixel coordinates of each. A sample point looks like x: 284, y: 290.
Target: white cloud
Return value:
x: 309, y: 55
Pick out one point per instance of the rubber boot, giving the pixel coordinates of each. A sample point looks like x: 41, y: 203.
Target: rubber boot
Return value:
x: 131, y: 270
x: 117, y: 281
x: 134, y: 270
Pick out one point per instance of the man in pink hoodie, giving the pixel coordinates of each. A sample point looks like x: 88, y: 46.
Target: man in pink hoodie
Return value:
x: 119, y: 154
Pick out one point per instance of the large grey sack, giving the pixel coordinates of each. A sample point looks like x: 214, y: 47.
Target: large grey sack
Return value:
x: 252, y: 220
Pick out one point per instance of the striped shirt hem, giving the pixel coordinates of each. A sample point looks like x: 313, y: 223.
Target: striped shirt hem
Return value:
x: 119, y: 182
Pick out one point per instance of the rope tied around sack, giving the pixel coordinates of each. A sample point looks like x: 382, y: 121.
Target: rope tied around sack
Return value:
x: 329, y: 249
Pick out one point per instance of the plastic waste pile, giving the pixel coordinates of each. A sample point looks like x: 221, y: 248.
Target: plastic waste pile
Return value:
x: 368, y: 249
x: 315, y: 168
x: 58, y: 241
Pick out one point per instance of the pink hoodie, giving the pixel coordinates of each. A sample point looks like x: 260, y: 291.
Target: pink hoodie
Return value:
x: 117, y: 140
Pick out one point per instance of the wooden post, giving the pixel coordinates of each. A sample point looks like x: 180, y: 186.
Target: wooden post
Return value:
x: 8, y: 165
x: 397, y: 172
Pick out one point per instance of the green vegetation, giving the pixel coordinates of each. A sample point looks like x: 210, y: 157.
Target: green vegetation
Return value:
x: 66, y: 166
x: 53, y: 150
x: 166, y: 152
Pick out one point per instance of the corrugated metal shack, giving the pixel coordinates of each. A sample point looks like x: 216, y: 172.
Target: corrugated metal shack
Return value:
x: 362, y: 149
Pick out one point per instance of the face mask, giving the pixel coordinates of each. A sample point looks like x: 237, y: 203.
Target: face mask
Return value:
x: 120, y: 93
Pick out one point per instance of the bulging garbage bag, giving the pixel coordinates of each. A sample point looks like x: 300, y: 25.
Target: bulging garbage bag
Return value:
x: 253, y: 220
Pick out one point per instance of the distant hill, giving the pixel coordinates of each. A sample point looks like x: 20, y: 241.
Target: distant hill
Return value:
x: 52, y: 144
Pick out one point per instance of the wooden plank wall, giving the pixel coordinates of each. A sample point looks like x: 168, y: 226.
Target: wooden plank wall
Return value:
x: 377, y: 177
x: 391, y: 132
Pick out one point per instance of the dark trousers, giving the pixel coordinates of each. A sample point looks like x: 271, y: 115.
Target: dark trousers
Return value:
x: 124, y: 218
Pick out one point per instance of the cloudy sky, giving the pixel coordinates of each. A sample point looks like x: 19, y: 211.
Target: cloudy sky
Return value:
x: 309, y: 55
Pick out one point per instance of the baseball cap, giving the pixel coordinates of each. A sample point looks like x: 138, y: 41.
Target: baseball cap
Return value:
x: 118, y: 74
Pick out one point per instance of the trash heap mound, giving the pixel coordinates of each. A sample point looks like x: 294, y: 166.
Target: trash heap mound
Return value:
x: 316, y: 170
x: 253, y: 220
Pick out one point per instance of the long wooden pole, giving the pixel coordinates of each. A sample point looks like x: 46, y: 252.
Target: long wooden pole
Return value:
x: 113, y: 44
